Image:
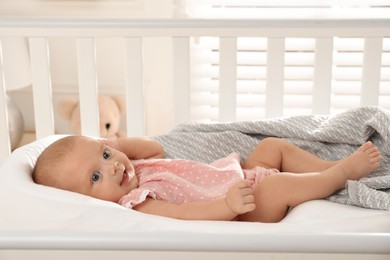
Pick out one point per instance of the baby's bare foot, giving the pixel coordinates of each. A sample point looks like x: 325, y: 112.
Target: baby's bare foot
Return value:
x: 363, y: 161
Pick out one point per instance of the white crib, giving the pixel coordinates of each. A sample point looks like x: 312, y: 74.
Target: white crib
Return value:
x: 132, y: 32
x: 180, y: 238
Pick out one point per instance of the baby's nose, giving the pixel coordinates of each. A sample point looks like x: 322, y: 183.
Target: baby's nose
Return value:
x: 112, y: 168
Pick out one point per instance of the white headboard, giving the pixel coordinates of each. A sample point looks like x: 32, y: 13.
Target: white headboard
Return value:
x: 133, y: 31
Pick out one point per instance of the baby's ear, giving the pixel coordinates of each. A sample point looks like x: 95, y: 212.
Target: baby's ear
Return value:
x: 66, y: 108
x: 120, y: 103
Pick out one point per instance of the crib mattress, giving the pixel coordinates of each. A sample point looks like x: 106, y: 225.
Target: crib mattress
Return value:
x: 38, y: 217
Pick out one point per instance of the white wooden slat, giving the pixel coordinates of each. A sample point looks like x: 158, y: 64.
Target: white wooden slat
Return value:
x: 227, y: 78
x: 41, y: 85
x: 5, y: 147
x: 181, y: 79
x: 86, y: 65
x: 134, y: 88
x: 322, y: 76
x: 275, y: 77
x: 371, y: 72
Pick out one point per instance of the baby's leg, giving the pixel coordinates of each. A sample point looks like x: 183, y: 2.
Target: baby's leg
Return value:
x: 279, y: 154
x: 277, y: 193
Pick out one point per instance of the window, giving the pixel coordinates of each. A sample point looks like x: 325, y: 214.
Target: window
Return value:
x: 299, y: 58
x: 283, y: 8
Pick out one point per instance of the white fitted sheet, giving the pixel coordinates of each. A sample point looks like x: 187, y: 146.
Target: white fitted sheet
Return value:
x: 39, y: 217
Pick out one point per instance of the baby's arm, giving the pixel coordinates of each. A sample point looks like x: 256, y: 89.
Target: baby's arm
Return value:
x: 238, y: 200
x: 137, y: 147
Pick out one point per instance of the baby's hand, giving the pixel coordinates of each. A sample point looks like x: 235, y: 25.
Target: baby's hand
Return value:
x: 111, y: 143
x: 239, y: 198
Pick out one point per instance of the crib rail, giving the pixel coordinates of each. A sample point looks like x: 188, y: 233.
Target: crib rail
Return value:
x: 133, y: 31
x: 194, y: 27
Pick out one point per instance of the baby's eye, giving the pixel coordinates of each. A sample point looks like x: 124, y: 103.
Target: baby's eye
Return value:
x: 95, y: 177
x: 106, y: 154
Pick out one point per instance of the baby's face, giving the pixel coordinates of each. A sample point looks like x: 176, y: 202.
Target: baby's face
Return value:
x: 98, y: 170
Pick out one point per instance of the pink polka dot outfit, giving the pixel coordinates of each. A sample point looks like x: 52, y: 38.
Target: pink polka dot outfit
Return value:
x: 180, y: 181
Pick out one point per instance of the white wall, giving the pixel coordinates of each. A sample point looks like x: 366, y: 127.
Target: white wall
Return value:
x: 86, y: 8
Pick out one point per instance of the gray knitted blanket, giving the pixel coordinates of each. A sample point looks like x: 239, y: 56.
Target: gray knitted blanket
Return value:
x: 329, y: 137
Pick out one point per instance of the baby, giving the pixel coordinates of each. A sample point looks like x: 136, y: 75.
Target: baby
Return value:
x: 276, y: 176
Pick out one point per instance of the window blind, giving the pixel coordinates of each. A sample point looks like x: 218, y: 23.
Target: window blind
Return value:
x: 299, y: 59
x: 282, y: 8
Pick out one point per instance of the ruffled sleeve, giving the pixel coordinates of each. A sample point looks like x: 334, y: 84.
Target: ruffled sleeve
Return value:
x: 135, y: 197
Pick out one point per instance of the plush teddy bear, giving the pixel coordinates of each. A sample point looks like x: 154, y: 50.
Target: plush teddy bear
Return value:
x: 110, y: 110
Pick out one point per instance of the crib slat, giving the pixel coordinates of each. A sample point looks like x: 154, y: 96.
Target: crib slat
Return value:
x: 86, y: 65
x: 134, y: 88
x: 371, y: 72
x: 5, y: 147
x: 227, y: 78
x: 181, y: 79
x: 275, y: 77
x: 322, y: 75
x: 41, y: 84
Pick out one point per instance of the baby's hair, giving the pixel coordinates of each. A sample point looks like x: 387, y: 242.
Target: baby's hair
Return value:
x: 51, y: 160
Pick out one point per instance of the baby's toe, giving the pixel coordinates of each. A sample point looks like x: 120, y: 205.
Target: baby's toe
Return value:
x: 366, y: 146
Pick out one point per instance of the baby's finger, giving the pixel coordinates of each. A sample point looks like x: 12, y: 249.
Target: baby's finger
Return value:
x: 249, y: 207
x: 244, y: 184
x: 249, y: 199
x: 246, y: 191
